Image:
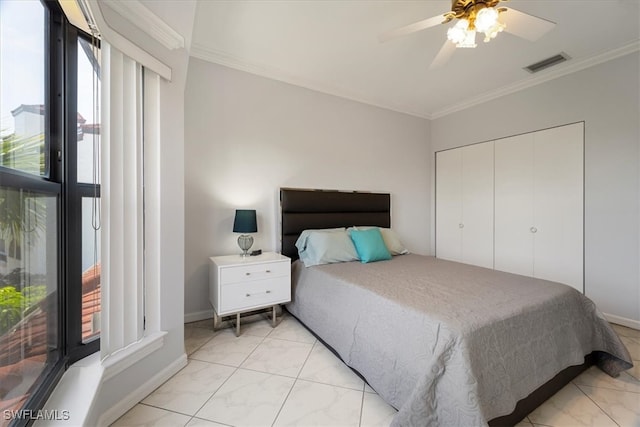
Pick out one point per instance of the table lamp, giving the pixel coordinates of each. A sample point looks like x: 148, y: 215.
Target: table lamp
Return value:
x: 245, y: 222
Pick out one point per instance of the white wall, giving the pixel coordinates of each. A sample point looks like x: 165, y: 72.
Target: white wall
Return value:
x: 606, y: 97
x: 247, y: 136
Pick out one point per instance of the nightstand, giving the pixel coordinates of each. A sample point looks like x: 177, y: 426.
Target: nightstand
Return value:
x: 240, y: 284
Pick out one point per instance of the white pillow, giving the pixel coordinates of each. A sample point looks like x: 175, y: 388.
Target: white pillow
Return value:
x: 316, y: 247
x: 391, y: 240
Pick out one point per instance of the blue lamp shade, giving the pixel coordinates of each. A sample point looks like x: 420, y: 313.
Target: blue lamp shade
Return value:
x: 245, y: 221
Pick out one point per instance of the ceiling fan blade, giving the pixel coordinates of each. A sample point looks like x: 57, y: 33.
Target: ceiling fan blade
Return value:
x: 443, y: 56
x: 523, y: 25
x: 411, y: 28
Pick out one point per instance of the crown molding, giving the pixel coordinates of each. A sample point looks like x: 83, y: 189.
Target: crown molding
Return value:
x: 143, y: 18
x: 551, y: 74
x: 123, y: 44
x: 215, y: 56
x: 211, y: 55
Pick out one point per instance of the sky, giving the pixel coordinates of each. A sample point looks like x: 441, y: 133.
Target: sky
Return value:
x: 22, y: 49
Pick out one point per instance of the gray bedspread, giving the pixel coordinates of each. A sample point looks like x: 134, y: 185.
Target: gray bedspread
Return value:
x: 450, y: 344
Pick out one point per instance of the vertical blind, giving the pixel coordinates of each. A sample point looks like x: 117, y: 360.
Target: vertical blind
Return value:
x: 123, y: 221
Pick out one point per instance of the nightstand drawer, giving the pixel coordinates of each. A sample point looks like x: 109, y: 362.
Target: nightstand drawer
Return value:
x: 244, y: 273
x: 253, y: 294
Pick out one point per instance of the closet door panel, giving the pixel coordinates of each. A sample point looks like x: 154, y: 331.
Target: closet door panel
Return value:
x: 514, y: 204
x: 477, y: 204
x: 449, y: 204
x: 558, y: 205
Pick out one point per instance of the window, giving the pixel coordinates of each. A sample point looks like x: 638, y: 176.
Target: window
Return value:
x: 22, y: 104
x: 28, y: 292
x: 49, y: 199
x: 86, y: 188
x: 29, y: 209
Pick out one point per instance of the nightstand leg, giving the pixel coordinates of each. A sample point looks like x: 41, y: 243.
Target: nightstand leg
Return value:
x: 216, y: 321
x: 238, y: 324
x: 273, y: 319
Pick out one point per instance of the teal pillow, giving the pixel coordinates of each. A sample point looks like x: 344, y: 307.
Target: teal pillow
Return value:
x: 370, y: 245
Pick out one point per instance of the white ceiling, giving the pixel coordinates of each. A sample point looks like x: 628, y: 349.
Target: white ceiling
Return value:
x: 332, y: 46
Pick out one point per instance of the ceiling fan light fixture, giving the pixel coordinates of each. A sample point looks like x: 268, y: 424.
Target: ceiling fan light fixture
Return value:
x: 462, y: 34
x: 486, y: 19
x: 469, y: 40
x: 492, y: 32
x: 458, y: 32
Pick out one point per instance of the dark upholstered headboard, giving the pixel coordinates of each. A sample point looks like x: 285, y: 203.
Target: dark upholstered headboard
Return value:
x: 314, y: 209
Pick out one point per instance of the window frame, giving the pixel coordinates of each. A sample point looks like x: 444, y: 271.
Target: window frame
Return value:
x: 59, y: 180
x: 74, y: 192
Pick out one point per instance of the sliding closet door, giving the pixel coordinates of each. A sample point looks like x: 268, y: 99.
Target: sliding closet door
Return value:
x: 477, y: 204
x: 449, y: 204
x: 558, y: 208
x: 539, y: 205
x: 464, y: 204
x: 514, y: 225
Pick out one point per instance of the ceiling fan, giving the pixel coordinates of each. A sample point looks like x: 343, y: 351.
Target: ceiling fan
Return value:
x: 475, y: 16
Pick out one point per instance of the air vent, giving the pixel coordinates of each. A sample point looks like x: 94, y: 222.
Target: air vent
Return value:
x: 546, y: 63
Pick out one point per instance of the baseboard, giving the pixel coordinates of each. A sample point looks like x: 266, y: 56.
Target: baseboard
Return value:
x: 109, y: 416
x: 629, y: 323
x: 198, y: 315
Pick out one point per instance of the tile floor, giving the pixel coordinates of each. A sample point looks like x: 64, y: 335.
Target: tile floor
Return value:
x: 284, y: 376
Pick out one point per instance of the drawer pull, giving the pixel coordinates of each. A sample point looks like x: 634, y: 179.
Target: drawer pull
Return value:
x: 248, y: 295
x: 268, y: 291
x: 247, y: 274
x: 268, y: 271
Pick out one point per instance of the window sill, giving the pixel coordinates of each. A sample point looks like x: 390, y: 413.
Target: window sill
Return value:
x: 131, y: 354
x: 76, y: 391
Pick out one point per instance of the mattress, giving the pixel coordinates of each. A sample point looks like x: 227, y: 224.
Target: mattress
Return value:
x: 451, y: 344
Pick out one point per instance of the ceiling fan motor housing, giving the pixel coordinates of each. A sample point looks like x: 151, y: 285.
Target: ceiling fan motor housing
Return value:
x: 468, y: 8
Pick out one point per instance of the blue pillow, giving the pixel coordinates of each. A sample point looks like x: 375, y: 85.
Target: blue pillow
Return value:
x: 316, y: 247
x: 370, y: 245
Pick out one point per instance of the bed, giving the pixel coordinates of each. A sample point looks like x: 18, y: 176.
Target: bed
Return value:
x: 444, y: 343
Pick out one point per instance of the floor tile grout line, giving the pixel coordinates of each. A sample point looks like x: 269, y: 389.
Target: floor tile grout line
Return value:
x: 306, y: 359
x: 298, y: 378
x: 284, y: 402
x: 216, y: 333
x: 267, y: 373
x: 361, y: 408
x: 161, y: 408
x: 289, y: 340
x: 287, y: 376
x: 201, y: 345
x: 313, y: 346
x: 214, y: 393
x: 217, y: 422
x: 213, y: 363
x: 331, y: 385
x: 232, y: 374
x: 252, y: 351
x: 612, y: 388
x: 596, y: 403
x: 295, y: 381
x: 631, y: 376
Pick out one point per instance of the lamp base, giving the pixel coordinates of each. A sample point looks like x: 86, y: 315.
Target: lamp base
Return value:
x: 245, y: 241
